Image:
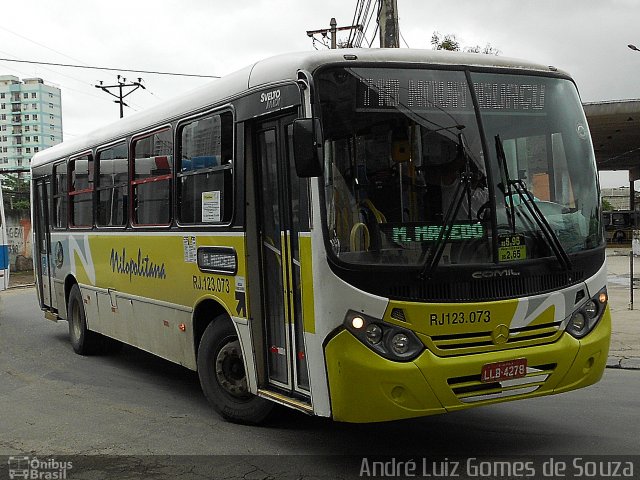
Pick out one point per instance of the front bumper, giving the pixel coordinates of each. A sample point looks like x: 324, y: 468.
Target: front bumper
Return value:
x: 365, y: 387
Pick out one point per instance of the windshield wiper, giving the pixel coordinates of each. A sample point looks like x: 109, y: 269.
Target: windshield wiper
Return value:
x: 505, y: 182
x: 528, y: 200
x: 463, y: 187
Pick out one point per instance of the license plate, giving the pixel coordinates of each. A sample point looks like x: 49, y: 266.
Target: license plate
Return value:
x: 499, y: 371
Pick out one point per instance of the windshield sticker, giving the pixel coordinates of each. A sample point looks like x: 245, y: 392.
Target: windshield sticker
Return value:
x: 512, y: 248
x: 582, y: 131
x: 211, y: 211
x: 190, y: 249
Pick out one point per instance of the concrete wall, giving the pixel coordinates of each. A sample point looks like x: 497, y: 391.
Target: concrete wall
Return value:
x: 19, y: 239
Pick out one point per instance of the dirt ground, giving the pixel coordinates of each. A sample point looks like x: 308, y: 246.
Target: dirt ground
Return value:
x: 17, y: 279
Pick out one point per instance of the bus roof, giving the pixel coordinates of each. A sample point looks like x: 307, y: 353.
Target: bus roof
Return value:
x: 272, y: 70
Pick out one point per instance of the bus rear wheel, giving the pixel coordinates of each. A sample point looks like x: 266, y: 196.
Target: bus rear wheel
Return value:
x: 223, y: 378
x: 83, y: 341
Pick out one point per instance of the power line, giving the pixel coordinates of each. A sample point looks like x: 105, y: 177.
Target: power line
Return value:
x: 60, y: 84
x: 402, y: 37
x: 375, y: 10
x: 109, y: 68
x: 356, y: 21
x: 40, y: 44
x: 58, y: 73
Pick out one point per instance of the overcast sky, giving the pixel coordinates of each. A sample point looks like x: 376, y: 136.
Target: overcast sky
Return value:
x: 588, y: 38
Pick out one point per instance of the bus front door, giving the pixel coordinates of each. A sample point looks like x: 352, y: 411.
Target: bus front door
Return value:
x: 43, y: 241
x: 283, y: 220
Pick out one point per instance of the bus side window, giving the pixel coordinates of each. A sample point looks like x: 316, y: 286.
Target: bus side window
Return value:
x: 60, y: 195
x: 205, y: 187
x: 81, y: 191
x: 151, y: 182
x: 112, y: 186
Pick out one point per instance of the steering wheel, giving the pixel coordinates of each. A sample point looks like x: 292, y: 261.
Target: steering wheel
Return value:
x: 483, y: 210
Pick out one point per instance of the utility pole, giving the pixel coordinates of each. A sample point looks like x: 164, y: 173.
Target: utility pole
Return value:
x: 332, y: 31
x: 122, y: 83
x: 388, y: 20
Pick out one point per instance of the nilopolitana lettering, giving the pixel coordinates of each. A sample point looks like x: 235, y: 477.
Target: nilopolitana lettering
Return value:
x: 140, y: 267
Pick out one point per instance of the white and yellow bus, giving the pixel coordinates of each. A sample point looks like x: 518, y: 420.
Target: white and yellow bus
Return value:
x: 365, y: 235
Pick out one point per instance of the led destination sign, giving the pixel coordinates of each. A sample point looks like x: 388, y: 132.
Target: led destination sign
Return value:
x: 379, y: 94
x: 413, y: 232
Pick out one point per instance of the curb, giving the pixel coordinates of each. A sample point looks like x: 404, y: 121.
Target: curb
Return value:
x: 22, y: 285
x: 624, y: 363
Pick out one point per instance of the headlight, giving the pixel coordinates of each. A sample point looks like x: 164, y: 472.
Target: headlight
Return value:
x: 586, y: 317
x: 400, y: 343
x: 591, y: 309
x: 374, y: 334
x: 390, y: 341
x: 578, y: 321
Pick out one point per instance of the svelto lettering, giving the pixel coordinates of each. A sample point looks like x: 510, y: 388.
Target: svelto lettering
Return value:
x: 271, y: 99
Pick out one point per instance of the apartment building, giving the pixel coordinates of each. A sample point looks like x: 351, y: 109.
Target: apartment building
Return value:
x: 30, y: 120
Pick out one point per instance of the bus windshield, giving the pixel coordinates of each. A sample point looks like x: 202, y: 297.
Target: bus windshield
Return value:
x: 452, y: 167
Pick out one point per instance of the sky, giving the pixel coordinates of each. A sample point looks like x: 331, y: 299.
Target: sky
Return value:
x: 587, y: 38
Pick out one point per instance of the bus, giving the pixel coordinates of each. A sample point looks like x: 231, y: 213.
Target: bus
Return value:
x: 4, y: 247
x: 365, y: 235
x: 620, y: 224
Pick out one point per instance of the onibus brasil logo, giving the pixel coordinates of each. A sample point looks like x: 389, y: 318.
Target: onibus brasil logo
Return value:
x: 37, y: 469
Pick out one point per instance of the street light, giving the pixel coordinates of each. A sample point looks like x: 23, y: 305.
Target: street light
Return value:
x: 633, y: 47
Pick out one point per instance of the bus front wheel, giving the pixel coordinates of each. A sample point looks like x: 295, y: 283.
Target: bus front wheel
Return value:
x: 223, y: 378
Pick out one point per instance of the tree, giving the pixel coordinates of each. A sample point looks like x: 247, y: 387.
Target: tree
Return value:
x: 446, y: 42
x: 606, y: 206
x: 487, y: 50
x: 450, y: 42
x: 15, y: 192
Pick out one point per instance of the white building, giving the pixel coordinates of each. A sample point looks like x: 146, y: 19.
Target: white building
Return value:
x: 619, y: 198
x: 30, y: 120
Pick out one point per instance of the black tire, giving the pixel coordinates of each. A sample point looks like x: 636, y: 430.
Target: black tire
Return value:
x: 83, y: 341
x: 222, y: 375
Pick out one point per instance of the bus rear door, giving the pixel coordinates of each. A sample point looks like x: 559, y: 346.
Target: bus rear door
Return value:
x: 42, y: 245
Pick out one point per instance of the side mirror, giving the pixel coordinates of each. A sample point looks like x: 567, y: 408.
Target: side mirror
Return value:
x: 307, y: 147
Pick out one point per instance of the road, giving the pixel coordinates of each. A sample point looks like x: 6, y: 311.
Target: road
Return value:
x: 132, y: 403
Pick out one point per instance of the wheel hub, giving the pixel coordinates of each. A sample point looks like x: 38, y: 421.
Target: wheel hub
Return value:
x: 230, y: 370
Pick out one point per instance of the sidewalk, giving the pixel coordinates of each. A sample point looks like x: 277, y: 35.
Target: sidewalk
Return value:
x: 625, y: 337
x: 21, y: 279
